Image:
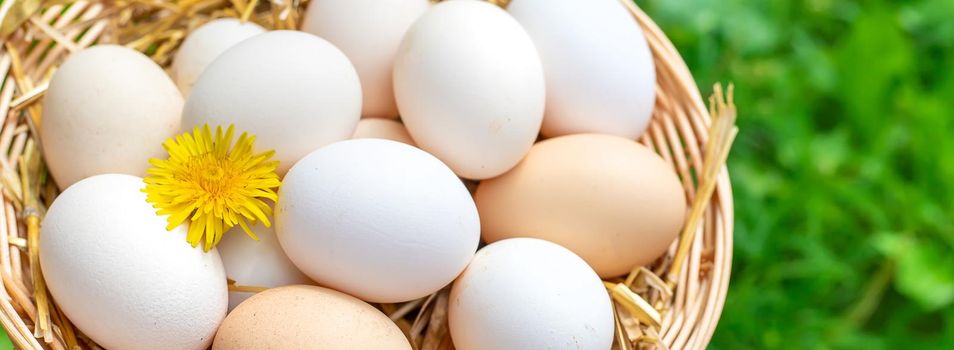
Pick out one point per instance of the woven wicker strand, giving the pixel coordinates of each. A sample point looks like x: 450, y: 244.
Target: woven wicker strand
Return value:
x: 675, y: 303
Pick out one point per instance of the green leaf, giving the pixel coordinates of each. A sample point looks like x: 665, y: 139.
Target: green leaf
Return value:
x: 925, y: 270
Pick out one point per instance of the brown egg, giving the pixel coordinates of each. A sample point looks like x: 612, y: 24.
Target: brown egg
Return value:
x: 307, y: 317
x: 379, y: 128
x: 610, y: 200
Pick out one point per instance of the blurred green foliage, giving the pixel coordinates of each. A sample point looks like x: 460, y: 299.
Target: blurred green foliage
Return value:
x: 844, y: 169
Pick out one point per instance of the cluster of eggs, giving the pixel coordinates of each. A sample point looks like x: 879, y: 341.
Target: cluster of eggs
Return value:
x: 376, y: 110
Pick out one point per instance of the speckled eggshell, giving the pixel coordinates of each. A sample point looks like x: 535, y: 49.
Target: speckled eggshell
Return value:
x: 308, y: 317
x: 608, y: 199
x: 121, y: 278
x: 525, y: 293
x: 377, y: 219
x: 377, y: 128
x: 206, y: 43
x: 260, y: 263
x: 469, y: 86
x: 108, y: 110
x: 346, y: 24
x: 599, y: 70
x: 294, y: 91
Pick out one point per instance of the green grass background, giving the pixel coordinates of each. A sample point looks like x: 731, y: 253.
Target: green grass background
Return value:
x: 843, y: 172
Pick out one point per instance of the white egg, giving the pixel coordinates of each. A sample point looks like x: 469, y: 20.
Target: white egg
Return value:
x: 599, y: 69
x: 260, y: 263
x: 380, y: 238
x: 121, y: 277
x: 294, y: 91
x: 108, y: 110
x: 206, y: 43
x: 469, y: 85
x: 526, y: 293
x: 369, y: 33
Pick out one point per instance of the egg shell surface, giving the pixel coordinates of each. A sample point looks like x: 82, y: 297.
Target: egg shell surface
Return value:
x: 108, y: 110
x: 121, y: 277
x: 346, y: 24
x: 377, y: 219
x: 599, y: 70
x: 260, y: 263
x: 469, y: 86
x: 294, y: 91
x: 307, y: 317
x: 377, y: 128
x: 609, y: 199
x: 526, y: 293
x: 206, y: 43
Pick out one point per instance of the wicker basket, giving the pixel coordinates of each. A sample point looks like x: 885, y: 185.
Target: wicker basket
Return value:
x: 675, y: 303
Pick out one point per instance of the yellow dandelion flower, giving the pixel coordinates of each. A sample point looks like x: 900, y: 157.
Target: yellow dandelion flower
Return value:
x: 212, y: 184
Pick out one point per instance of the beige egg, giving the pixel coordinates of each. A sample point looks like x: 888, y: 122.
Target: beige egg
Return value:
x: 369, y: 33
x: 377, y: 128
x: 108, y: 110
x: 206, y: 43
x: 610, y: 200
x: 307, y: 317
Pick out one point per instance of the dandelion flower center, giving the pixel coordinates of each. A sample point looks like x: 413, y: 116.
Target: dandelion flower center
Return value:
x: 212, y: 184
x: 213, y: 175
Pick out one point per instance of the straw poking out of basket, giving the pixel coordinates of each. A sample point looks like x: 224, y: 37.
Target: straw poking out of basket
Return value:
x: 673, y: 303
